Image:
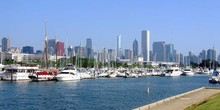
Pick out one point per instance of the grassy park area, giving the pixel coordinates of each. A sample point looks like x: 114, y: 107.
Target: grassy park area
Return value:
x: 213, y: 103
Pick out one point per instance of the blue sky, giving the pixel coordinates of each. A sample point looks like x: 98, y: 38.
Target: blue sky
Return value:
x: 191, y: 25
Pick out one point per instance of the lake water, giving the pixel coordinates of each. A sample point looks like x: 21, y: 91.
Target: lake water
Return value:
x: 95, y: 94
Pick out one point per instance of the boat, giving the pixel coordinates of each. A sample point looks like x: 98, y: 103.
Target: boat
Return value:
x: 43, y: 75
x: 153, y: 72
x: 69, y: 73
x: 172, y: 71
x: 84, y: 74
x: 18, y: 73
x: 214, y: 78
x: 205, y: 71
x: 2, y: 71
x: 112, y: 74
x: 188, y: 72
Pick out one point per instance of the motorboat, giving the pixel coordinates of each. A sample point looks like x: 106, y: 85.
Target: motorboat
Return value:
x: 188, y: 72
x: 69, y: 73
x: 173, y: 71
x: 17, y: 72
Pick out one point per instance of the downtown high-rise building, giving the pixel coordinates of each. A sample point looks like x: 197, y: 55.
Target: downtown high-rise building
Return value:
x: 159, y: 51
x: 89, y: 49
x: 52, y: 46
x: 60, y: 48
x: 135, y: 48
x: 105, y: 56
x: 111, y: 53
x: 70, y: 51
x: 128, y: 54
x: 145, y: 45
x: 5, y: 44
x: 211, y: 54
x: 169, y: 51
x: 119, y: 48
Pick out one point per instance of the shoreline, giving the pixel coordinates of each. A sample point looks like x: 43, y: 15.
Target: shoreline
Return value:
x: 182, y: 101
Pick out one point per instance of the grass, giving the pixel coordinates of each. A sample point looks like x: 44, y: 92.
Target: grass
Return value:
x: 213, y: 103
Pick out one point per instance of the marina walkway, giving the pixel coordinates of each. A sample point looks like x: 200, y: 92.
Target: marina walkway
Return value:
x: 182, y: 101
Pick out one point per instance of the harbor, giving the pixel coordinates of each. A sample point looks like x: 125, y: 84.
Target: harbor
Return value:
x: 100, y: 93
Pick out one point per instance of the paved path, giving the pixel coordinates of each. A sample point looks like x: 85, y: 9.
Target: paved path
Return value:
x: 180, y: 103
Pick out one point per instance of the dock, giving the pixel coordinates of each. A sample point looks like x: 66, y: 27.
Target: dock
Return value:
x: 182, y: 101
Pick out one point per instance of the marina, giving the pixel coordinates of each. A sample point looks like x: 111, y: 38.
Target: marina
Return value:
x: 115, y: 55
x: 101, y: 93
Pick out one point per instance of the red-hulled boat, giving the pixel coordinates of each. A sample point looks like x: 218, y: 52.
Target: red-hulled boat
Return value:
x: 43, y: 75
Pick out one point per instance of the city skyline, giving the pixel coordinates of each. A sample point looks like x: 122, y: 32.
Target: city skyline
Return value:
x: 189, y: 25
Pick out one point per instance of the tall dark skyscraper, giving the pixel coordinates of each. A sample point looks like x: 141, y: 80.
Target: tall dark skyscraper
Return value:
x: 159, y: 51
x: 169, y: 48
x: 52, y: 46
x: 135, y: 48
x: 89, y: 49
x: 145, y: 45
x: 5, y: 44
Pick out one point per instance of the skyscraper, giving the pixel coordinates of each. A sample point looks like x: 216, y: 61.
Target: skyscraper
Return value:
x: 169, y: 48
x: 111, y: 53
x: 145, y: 45
x: 89, y: 48
x: 159, y: 51
x: 52, y: 46
x: 60, y: 48
x: 211, y: 54
x: 5, y: 44
x: 135, y: 48
x: 70, y: 51
x: 119, y: 49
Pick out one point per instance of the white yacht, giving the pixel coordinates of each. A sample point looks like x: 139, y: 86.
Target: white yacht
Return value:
x: 173, y: 71
x: 188, y: 72
x: 69, y: 73
x: 17, y: 72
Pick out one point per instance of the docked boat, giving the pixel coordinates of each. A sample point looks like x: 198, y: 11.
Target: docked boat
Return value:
x: 214, y: 78
x: 205, y: 71
x: 2, y: 71
x: 69, y: 73
x: 188, y: 72
x: 43, y: 75
x: 173, y: 71
x: 17, y: 72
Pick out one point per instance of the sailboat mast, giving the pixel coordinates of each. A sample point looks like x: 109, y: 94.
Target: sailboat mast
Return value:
x: 46, y: 46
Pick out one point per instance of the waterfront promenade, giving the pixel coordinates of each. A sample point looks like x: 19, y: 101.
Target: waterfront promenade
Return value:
x: 182, y: 101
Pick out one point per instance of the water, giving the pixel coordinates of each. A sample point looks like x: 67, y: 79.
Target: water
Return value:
x: 95, y: 94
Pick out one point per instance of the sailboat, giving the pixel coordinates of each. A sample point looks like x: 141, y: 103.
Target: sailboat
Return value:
x: 44, y: 74
x: 214, y: 76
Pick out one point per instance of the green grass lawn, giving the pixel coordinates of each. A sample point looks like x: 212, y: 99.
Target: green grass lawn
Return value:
x: 213, y: 103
